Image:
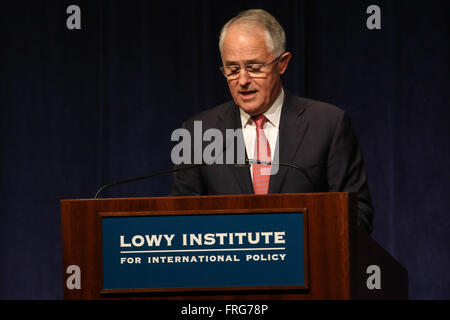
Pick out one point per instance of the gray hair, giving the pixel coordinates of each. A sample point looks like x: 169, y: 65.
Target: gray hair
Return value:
x: 275, y: 36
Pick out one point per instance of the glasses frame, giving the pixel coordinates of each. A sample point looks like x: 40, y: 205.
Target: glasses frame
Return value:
x: 261, y: 65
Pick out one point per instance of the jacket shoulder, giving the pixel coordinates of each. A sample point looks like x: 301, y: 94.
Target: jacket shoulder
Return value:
x: 317, y: 108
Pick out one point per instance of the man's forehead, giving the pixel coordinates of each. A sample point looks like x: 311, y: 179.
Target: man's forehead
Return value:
x: 241, y: 44
x: 243, y: 53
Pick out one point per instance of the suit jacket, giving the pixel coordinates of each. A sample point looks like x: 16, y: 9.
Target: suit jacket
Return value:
x: 313, y: 135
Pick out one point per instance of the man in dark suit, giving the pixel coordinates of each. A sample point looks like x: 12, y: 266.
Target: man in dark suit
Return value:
x: 275, y: 126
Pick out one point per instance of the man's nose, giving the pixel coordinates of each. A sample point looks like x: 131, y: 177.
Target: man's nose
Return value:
x: 244, y: 77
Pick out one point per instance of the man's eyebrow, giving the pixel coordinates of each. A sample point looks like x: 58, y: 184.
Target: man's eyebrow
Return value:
x: 230, y: 63
x: 250, y: 61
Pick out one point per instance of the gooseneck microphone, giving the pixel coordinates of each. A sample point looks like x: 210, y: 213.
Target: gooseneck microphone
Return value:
x: 246, y: 163
x: 160, y: 173
x: 249, y: 162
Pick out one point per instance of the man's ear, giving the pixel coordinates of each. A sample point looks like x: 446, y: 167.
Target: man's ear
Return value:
x: 284, y: 61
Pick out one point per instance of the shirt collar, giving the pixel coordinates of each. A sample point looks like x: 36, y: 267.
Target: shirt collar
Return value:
x: 272, y: 114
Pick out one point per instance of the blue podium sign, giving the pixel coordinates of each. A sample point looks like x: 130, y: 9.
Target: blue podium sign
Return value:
x: 204, y: 251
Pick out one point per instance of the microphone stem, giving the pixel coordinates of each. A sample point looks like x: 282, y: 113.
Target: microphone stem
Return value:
x: 251, y: 161
x: 304, y: 173
x: 145, y: 177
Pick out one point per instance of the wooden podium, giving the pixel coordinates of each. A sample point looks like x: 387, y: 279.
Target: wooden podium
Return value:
x: 338, y: 258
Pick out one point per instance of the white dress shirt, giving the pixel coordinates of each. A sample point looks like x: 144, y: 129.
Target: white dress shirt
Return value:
x: 270, y: 127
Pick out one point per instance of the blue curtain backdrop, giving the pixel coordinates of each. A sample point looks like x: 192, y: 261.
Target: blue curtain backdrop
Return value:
x: 82, y: 108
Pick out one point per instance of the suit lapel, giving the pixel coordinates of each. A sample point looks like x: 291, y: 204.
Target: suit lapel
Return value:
x: 230, y: 119
x: 291, y: 132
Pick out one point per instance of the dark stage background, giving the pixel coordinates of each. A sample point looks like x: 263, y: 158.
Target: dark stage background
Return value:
x: 82, y: 108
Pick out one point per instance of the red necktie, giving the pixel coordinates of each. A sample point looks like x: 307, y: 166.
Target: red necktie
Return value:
x: 261, y: 172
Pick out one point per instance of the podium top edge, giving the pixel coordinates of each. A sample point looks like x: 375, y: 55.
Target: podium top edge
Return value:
x: 209, y: 196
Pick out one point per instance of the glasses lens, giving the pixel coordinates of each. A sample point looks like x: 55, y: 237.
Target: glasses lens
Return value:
x: 255, y: 70
x: 231, y: 71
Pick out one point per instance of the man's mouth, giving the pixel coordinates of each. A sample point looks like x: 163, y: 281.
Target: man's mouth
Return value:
x: 247, y: 93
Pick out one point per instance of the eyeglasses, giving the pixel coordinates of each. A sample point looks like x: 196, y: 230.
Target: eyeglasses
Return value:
x: 254, y: 70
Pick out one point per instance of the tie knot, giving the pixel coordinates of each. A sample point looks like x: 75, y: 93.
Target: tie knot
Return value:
x: 259, y: 120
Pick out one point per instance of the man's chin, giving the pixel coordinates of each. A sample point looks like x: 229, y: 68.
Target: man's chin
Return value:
x: 251, y: 109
